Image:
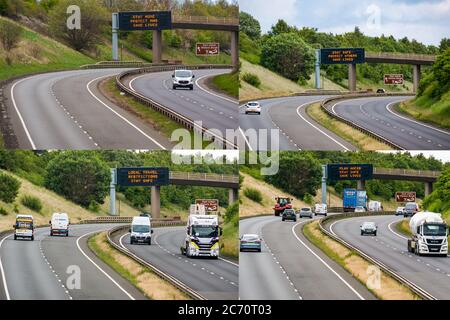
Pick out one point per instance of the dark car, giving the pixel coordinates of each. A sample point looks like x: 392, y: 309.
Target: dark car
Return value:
x: 289, y: 214
x: 381, y: 90
x: 250, y: 242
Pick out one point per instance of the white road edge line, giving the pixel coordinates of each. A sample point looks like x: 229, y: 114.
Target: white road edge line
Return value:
x: 5, y: 284
x: 245, y: 139
x: 97, y: 266
x: 397, y: 234
x: 212, y: 93
x: 121, y: 243
x: 119, y: 115
x: 230, y: 262
x: 33, y: 146
x: 388, y: 108
x: 326, y: 264
x: 317, y: 128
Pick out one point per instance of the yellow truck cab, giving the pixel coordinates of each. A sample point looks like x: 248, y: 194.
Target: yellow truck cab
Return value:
x: 24, y: 227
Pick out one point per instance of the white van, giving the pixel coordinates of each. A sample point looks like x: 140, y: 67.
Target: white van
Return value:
x: 24, y: 227
x: 375, y: 206
x: 59, y: 225
x: 320, y: 209
x: 141, y: 230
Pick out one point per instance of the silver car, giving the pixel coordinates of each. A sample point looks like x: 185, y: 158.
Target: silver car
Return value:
x: 369, y: 228
x: 305, y: 212
x: 253, y: 107
x: 183, y: 79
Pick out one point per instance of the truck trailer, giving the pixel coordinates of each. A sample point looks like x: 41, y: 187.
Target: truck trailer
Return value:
x: 429, y: 234
x: 353, y: 198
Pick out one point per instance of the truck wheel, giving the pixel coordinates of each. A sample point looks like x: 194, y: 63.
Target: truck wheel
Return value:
x: 187, y: 251
x: 32, y: 238
x: 150, y: 242
x: 282, y: 219
x: 15, y: 237
x: 375, y: 234
x: 362, y: 233
x: 51, y: 233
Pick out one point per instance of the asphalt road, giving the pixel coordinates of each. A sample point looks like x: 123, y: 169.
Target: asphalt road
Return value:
x: 297, y: 131
x: 377, y: 115
x: 215, y: 279
x: 430, y: 273
x: 65, y: 110
x: 290, y: 268
x: 46, y: 269
x: 214, y: 110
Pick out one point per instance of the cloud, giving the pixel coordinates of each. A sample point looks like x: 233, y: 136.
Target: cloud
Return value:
x: 267, y: 12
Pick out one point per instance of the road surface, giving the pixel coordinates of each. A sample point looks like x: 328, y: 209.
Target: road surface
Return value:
x: 291, y: 268
x: 297, y: 131
x: 215, y: 279
x: 377, y: 115
x: 45, y: 269
x: 430, y: 273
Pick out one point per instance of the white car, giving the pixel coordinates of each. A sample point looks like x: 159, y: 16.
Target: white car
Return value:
x: 369, y: 228
x: 252, y: 107
x: 360, y: 209
x: 183, y: 79
x: 399, y: 211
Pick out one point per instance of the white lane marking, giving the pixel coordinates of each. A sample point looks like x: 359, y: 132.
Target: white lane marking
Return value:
x: 121, y: 243
x: 324, y: 263
x: 317, y: 128
x: 230, y: 262
x: 5, y: 284
x: 245, y: 139
x: 33, y: 146
x: 388, y: 108
x: 119, y: 115
x: 212, y: 93
x: 98, y: 267
x: 397, y: 234
x: 132, y: 80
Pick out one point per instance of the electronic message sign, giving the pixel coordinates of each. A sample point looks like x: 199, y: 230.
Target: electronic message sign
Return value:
x: 153, y: 20
x: 207, y: 49
x: 142, y: 177
x: 349, y: 171
x: 342, y: 55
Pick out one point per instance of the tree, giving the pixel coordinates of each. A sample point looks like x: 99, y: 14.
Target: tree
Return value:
x: 439, y: 199
x: 94, y: 18
x: 249, y: 25
x: 288, y: 55
x: 444, y: 45
x: 79, y: 176
x: 9, y: 188
x: 9, y: 34
x: 280, y: 27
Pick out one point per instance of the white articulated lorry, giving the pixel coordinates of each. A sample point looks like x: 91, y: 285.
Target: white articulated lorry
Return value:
x: 202, y: 234
x: 429, y: 234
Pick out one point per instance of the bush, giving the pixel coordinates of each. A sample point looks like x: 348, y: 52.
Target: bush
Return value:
x: 32, y: 203
x: 253, y: 194
x: 232, y: 213
x: 9, y: 188
x: 251, y: 79
x: 94, y: 206
x: 3, y: 212
x: 9, y: 34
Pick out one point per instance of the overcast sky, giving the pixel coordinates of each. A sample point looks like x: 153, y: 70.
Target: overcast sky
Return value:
x: 427, y: 21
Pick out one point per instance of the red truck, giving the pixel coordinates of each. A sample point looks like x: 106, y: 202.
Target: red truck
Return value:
x: 282, y: 204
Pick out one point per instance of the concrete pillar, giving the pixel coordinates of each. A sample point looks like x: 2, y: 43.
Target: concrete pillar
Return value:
x: 235, y: 50
x: 361, y: 185
x: 157, y: 46
x: 416, y: 77
x: 352, y: 77
x: 233, y: 195
x: 428, y: 188
x: 156, y: 202
x: 115, y: 37
x: 317, y: 67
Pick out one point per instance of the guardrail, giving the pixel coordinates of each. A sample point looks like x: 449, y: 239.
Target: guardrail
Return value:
x: 175, y: 282
x: 413, y: 287
x: 205, y: 20
x: 165, y: 110
x: 356, y: 126
x: 119, y: 219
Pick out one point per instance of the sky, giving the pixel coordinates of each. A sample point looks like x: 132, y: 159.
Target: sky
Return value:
x: 427, y: 21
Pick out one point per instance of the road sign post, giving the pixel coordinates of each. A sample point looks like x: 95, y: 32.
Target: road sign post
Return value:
x: 115, y: 37
x: 324, y: 184
x: 112, y: 192
x: 317, y: 67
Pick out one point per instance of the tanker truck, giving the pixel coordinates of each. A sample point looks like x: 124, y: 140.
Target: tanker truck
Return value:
x: 429, y: 234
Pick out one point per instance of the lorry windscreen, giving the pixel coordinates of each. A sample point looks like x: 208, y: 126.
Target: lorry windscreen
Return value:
x: 434, y: 230
x: 141, y: 228
x: 24, y: 225
x: 205, y: 231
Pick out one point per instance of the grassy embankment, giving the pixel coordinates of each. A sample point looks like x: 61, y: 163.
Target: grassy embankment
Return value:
x: 151, y: 285
x: 389, y: 289
x: 357, y: 138
x: 227, y: 83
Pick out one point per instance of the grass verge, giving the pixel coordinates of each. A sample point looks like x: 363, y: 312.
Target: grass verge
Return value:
x: 389, y: 288
x: 142, y: 278
x: 403, y: 227
x: 355, y: 137
x: 426, y: 111
x: 227, y: 83
x: 230, y: 240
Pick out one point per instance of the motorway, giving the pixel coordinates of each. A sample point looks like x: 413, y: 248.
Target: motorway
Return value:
x: 297, y: 131
x: 430, y: 273
x: 290, y: 268
x: 215, y: 279
x: 46, y: 269
x: 377, y: 115
x: 65, y: 110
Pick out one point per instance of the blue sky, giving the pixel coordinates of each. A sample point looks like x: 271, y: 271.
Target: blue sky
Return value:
x: 427, y: 21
